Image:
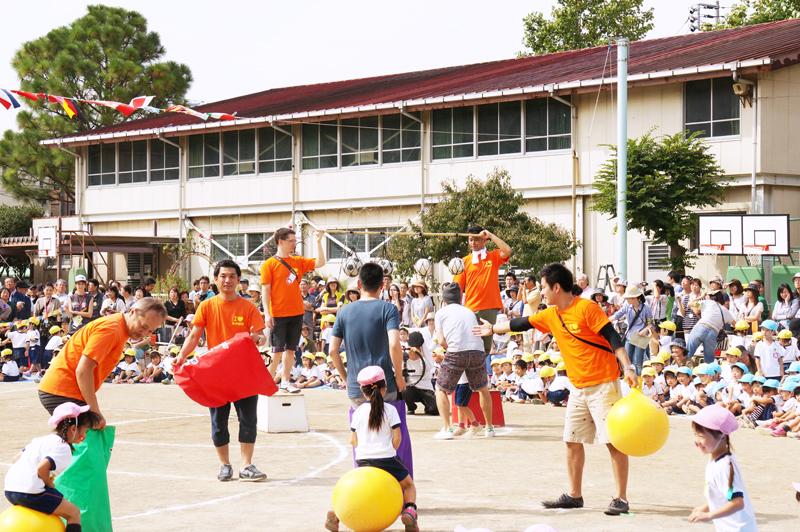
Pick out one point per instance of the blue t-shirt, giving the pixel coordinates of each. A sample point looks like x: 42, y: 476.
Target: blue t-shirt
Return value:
x: 363, y: 325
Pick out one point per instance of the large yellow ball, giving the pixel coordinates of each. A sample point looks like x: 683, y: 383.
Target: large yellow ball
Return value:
x: 21, y: 519
x: 367, y: 499
x: 637, y: 425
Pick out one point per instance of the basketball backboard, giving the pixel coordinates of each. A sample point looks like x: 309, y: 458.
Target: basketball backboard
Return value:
x: 47, y: 242
x: 736, y: 234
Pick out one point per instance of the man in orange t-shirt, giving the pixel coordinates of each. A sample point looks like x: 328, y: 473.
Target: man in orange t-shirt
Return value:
x: 592, y: 351
x: 479, y: 280
x: 93, y: 352
x: 223, y: 317
x: 283, y: 302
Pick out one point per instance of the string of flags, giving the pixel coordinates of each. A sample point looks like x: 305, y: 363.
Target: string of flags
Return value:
x: 35, y: 320
x: 8, y: 100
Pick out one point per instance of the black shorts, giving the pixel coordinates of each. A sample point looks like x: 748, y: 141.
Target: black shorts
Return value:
x: 286, y: 333
x: 50, y: 401
x: 45, y: 502
x: 394, y: 466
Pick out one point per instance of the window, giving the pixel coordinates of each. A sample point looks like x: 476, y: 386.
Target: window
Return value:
x: 712, y: 108
x: 499, y: 128
x: 657, y: 257
x: 320, y: 145
x: 164, y: 162
x: 102, y: 165
x: 548, y: 125
x: 274, y: 151
x: 233, y: 243
x: 402, y: 139
x: 357, y: 243
x: 254, y: 240
x: 239, y: 152
x: 359, y: 141
x: 204, y: 155
x: 452, y: 133
x: 133, y: 162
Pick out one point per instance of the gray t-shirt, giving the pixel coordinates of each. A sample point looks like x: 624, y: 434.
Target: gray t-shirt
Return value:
x: 364, y: 327
x: 456, y: 322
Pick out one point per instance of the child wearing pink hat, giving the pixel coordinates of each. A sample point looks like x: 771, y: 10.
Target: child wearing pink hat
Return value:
x: 29, y: 481
x: 375, y: 434
x: 728, y: 502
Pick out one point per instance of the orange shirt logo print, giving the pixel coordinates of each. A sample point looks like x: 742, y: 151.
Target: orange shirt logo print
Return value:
x: 573, y: 328
x: 237, y: 321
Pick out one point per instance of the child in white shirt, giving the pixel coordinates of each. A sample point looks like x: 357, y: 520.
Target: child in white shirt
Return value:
x: 560, y: 388
x: 154, y: 372
x: 768, y: 353
x: 10, y: 372
x: 310, y: 374
x: 538, y: 387
x: 128, y: 368
x: 55, y: 342
x: 650, y: 388
x: 34, y: 347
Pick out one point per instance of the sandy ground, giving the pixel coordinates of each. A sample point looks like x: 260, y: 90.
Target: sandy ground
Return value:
x: 162, y: 474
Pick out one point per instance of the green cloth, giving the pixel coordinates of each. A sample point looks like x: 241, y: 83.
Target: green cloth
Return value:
x: 765, y: 313
x: 670, y: 304
x: 84, y: 482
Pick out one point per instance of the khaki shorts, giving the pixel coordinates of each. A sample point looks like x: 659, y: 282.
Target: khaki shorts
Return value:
x: 587, y: 410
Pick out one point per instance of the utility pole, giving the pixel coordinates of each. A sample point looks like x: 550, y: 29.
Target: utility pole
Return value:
x: 697, y: 12
x: 622, y: 156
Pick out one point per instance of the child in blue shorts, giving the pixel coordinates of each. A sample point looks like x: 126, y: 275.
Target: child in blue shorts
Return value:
x: 466, y: 418
x: 375, y: 434
x: 29, y: 481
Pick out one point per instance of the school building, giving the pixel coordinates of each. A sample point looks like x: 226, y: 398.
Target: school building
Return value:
x: 372, y: 153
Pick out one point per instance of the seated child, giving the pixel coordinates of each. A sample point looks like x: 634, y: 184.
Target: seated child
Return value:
x: 784, y: 413
x: 701, y: 399
x: 732, y: 355
x: 761, y: 404
x: 685, y: 391
x: 741, y: 331
x: 310, y: 374
x: 332, y: 377
x: 320, y: 360
x: 538, y: 387
x: 791, y: 426
x: 514, y: 393
x: 56, y: 340
x: 154, y: 372
x: 789, y: 344
x: 326, y: 333
x: 671, y: 389
x: 560, y: 388
x: 650, y: 388
x: 128, y: 369
x: 507, y: 377
x: 657, y: 363
x: 29, y: 481
x: 494, y: 379
x: 10, y: 372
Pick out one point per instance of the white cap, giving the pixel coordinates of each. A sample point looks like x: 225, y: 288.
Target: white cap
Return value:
x: 80, y: 278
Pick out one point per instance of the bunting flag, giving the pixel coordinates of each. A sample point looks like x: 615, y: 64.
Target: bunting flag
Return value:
x: 35, y: 320
x: 125, y: 109
x: 187, y: 111
x: 7, y: 100
x: 29, y: 95
x: 222, y: 116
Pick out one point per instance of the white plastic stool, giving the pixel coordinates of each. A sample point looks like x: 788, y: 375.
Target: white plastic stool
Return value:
x: 282, y: 413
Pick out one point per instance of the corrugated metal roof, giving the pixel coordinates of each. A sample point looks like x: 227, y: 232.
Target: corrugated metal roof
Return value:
x: 777, y: 43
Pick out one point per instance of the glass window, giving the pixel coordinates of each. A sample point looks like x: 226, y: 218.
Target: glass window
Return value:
x: 204, y: 155
x: 402, y: 139
x: 548, y: 125
x: 357, y: 243
x: 164, y: 161
x: 712, y: 108
x: 233, y: 243
x: 133, y: 162
x: 102, y: 165
x: 274, y: 151
x: 499, y: 128
x: 254, y: 241
x: 359, y: 141
x: 239, y: 152
x: 320, y: 145
x: 453, y: 133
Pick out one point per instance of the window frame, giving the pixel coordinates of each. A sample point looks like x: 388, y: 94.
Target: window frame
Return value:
x: 403, y: 149
x: 452, y: 144
x: 711, y: 121
x: 548, y: 136
x: 117, y: 172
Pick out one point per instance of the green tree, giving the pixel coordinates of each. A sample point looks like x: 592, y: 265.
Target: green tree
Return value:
x: 108, y: 54
x: 748, y: 12
x: 668, y: 177
x: 17, y: 220
x: 493, y: 204
x: 577, y: 24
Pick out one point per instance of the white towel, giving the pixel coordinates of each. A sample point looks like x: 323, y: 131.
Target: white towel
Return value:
x: 477, y: 256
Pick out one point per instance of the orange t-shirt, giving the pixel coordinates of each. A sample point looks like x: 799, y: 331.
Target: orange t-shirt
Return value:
x: 101, y: 340
x: 586, y: 365
x: 223, y: 320
x: 284, y: 298
x: 479, y: 282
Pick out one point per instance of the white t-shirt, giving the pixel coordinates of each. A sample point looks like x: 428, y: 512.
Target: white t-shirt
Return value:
x: 18, y: 340
x: 54, y: 343
x: 717, y: 481
x: 536, y: 385
x: 118, y: 305
x: 789, y: 405
x: 326, y: 335
x: 737, y: 304
x: 561, y: 382
x: 374, y: 444
x: 415, y: 366
x: 652, y: 391
x: 167, y: 362
x: 456, y: 322
x: 10, y: 368
x: 790, y: 352
x: 34, y: 337
x: 22, y: 476
x: 311, y: 373
x: 713, y: 315
x: 132, y: 368
x: 770, y: 356
x: 64, y: 298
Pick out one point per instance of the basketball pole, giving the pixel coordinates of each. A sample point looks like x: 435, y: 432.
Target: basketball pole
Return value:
x: 622, y: 157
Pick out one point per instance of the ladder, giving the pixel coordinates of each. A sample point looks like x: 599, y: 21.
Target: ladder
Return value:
x: 604, y: 276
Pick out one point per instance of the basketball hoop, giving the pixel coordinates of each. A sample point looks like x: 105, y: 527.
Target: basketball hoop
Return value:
x: 712, y: 250
x: 35, y: 258
x: 754, y: 253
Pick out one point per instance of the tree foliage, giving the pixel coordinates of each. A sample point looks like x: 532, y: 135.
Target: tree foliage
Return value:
x: 748, y: 12
x: 17, y: 220
x: 494, y: 205
x: 668, y: 176
x: 577, y: 24
x: 108, y: 54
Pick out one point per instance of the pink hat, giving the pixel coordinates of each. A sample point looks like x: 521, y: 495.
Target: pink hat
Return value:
x: 66, y: 410
x: 370, y: 375
x: 715, y: 417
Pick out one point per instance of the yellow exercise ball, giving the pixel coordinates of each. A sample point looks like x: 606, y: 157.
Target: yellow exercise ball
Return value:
x: 367, y: 499
x: 637, y: 425
x: 21, y: 519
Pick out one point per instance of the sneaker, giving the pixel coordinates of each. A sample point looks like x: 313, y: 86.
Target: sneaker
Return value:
x: 251, y: 474
x: 444, y: 434
x: 794, y: 435
x: 225, y: 473
x: 617, y: 507
x: 765, y: 430
x: 778, y: 432
x: 166, y: 381
x: 332, y: 522
x: 289, y: 388
x: 565, y: 501
x: 489, y: 432
x: 749, y: 423
x: 476, y: 430
x: 460, y: 431
x: 409, y: 519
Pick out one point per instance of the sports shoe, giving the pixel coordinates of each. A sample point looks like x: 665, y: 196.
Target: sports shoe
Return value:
x: 332, y: 522
x: 409, y: 519
x: 476, y: 429
x: 444, y: 434
x: 289, y: 389
x: 765, y: 430
x: 489, y: 432
x: 778, y: 432
x: 166, y: 381
x: 225, y: 473
x: 251, y: 474
x: 460, y: 431
x: 565, y: 501
x: 617, y: 507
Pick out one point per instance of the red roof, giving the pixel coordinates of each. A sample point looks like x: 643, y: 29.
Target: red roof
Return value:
x: 777, y: 41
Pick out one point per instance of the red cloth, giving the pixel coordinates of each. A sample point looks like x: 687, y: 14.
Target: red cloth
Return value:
x: 231, y: 371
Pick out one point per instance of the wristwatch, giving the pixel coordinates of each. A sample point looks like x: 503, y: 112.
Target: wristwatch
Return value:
x: 631, y: 366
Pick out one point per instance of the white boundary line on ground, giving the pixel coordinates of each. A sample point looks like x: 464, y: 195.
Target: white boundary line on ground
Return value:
x: 21, y: 389
x: 344, y: 453
x: 209, y: 446
x: 117, y: 423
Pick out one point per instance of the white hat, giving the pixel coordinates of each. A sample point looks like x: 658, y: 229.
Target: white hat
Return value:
x: 796, y: 276
x: 79, y: 278
x: 623, y: 282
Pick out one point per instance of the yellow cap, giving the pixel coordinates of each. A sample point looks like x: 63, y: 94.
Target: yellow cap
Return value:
x: 538, y: 352
x: 54, y: 329
x: 438, y: 349
x: 129, y: 352
x: 668, y: 325
x: 330, y: 318
x: 36, y: 320
x: 175, y: 350
x: 191, y: 354
x: 555, y: 359
x: 329, y: 359
x: 785, y: 334
x: 6, y: 352
x: 733, y: 351
x: 649, y: 371
x: 561, y: 366
x: 527, y: 357
x: 545, y: 357
x: 664, y: 356
x: 308, y: 356
x: 496, y: 361
x: 320, y: 354
x: 758, y: 336
x: 547, y: 371
x: 741, y: 325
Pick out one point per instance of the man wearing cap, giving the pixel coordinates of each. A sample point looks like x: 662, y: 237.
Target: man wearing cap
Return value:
x: 243, y: 288
x: 479, y: 280
x: 420, y: 367
x: 593, y: 353
x: 717, y: 284
x: 283, y: 303
x: 93, y: 352
x: 20, y: 297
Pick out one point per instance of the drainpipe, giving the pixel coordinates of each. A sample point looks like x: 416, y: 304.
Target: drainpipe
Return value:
x: 574, y: 169
x: 422, y: 156
x: 181, y: 182
x: 295, y: 167
x: 78, y: 191
x: 737, y: 79
x: 622, y: 156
